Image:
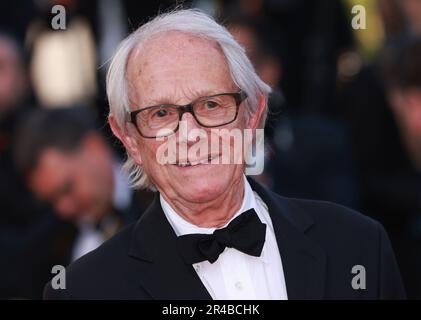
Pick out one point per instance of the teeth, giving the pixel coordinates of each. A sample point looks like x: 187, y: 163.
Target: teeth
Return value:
x: 184, y: 164
x: 212, y: 158
x: 204, y: 161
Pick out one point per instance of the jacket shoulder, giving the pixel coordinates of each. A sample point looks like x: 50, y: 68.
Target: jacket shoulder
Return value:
x: 327, y: 215
x: 349, y: 239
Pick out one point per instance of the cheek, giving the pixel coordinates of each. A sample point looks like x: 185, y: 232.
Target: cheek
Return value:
x: 42, y: 183
x: 148, y: 151
x: 414, y: 120
x: 7, y: 83
x: 84, y: 187
x: 232, y: 142
x: 41, y: 188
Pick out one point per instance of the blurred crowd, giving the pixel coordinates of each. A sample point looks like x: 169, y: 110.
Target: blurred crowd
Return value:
x: 344, y: 121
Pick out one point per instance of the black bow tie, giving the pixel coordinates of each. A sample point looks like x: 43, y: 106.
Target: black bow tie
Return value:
x: 245, y: 233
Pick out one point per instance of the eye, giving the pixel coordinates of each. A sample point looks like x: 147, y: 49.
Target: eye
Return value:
x: 161, y: 113
x: 211, y: 104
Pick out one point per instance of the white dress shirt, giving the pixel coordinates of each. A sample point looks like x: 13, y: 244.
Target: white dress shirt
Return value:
x: 236, y: 275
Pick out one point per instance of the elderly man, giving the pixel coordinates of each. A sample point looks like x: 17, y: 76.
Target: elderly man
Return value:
x: 211, y: 233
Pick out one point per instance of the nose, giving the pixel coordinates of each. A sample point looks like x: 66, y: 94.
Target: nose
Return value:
x: 190, y: 121
x: 187, y: 124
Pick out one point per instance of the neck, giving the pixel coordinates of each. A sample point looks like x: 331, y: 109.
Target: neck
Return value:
x: 212, y: 214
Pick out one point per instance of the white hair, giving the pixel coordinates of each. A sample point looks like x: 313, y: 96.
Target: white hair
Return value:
x: 196, y: 23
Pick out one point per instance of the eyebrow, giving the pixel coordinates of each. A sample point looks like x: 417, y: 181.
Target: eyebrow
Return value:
x: 167, y: 101
x: 163, y: 100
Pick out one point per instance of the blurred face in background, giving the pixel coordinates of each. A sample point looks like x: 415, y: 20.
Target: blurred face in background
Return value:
x: 412, y: 12
x: 78, y: 184
x: 12, y: 76
x: 406, y: 106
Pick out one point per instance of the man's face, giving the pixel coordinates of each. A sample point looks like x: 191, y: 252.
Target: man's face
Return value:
x: 176, y: 69
x: 73, y: 183
x: 412, y: 12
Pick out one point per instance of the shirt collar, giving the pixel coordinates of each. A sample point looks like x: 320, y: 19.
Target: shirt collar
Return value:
x: 182, y: 226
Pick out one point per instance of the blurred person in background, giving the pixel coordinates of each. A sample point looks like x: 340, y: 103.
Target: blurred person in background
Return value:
x: 412, y: 13
x: 401, y: 66
x: 69, y: 165
x: 309, y: 36
x: 317, y: 168
x: 13, y: 78
x: 388, y: 181
x: 403, y: 74
x: 255, y: 35
x: 20, y: 214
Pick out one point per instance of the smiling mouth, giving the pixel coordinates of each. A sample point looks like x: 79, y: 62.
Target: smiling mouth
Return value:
x: 196, y: 163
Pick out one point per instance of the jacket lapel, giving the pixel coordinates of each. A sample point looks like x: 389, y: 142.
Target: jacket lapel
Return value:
x: 161, y: 270
x: 164, y: 275
x: 304, y: 262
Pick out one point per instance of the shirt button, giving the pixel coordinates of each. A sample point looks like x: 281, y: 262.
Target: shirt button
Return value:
x: 197, y: 268
x: 239, y: 285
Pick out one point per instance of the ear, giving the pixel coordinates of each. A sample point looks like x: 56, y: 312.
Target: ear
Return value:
x: 256, y: 118
x: 127, y: 138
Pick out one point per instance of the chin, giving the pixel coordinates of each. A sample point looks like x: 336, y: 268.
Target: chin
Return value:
x: 205, y: 187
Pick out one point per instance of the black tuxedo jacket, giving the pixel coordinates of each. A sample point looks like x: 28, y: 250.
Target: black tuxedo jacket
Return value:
x: 319, y: 243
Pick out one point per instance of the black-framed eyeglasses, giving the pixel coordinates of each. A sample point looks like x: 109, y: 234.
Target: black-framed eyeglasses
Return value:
x: 209, y: 112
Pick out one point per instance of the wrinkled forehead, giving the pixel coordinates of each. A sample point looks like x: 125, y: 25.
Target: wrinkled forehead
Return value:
x: 174, y: 41
x: 176, y: 65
